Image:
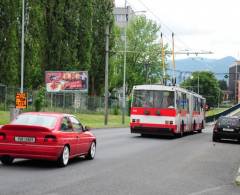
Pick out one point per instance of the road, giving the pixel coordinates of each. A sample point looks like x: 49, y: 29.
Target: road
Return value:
x: 129, y: 164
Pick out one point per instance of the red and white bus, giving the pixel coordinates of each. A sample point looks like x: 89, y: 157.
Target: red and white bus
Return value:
x: 169, y: 110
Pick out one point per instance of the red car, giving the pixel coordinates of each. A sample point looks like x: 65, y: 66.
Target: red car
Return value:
x: 50, y: 136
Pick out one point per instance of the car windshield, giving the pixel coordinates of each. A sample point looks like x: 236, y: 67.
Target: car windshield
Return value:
x: 153, y: 99
x: 229, y: 122
x: 38, y: 120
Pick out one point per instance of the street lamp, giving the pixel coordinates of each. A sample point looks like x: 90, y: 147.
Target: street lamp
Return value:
x: 22, y: 47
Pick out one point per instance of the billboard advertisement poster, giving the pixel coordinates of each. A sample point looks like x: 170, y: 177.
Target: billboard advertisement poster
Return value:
x: 62, y: 81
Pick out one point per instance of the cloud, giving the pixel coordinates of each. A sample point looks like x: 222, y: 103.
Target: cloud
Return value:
x: 204, y: 25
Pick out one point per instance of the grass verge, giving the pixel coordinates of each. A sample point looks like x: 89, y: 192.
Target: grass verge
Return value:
x: 215, y: 111
x: 91, y: 120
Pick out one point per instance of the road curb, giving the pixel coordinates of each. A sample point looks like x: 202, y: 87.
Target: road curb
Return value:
x: 237, y: 180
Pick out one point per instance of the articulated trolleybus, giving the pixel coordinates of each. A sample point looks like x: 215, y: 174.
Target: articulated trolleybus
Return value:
x: 166, y: 110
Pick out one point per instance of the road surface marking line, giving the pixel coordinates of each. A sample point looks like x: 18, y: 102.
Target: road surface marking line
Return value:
x: 209, y: 190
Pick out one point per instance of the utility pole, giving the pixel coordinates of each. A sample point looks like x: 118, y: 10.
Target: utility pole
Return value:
x: 22, y: 47
x: 163, y: 60
x: 198, y: 83
x: 173, y: 61
x: 106, y: 76
x: 236, y: 83
x: 124, y: 66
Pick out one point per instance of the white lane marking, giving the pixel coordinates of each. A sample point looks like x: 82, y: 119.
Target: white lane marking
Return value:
x: 209, y: 190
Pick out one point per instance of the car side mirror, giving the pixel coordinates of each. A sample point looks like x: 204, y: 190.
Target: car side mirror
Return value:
x: 87, y: 128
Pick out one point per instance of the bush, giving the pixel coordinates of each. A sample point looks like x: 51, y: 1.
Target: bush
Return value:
x: 40, y: 99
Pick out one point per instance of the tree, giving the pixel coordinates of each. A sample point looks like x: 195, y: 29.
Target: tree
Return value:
x: 102, y: 15
x: 34, y: 44
x: 85, y: 34
x: 59, y: 35
x: 144, y: 54
x: 62, y: 26
x: 223, y: 84
x: 208, y: 86
x: 10, y: 42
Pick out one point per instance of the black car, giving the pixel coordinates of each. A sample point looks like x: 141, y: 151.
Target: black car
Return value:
x: 227, y: 127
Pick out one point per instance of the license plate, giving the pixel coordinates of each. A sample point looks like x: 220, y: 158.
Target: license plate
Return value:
x: 226, y: 129
x: 25, y: 139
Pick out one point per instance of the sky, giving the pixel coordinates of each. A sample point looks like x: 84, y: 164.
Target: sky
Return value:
x: 203, y: 25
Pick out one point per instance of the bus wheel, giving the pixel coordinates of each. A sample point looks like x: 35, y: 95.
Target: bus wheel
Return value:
x: 202, y: 126
x: 181, y: 130
x: 194, y: 126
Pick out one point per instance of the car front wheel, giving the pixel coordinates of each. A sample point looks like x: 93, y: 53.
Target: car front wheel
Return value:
x: 215, y: 138
x: 92, y: 151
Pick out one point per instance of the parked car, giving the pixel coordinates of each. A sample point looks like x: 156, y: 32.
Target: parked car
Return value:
x: 50, y: 136
x: 227, y: 128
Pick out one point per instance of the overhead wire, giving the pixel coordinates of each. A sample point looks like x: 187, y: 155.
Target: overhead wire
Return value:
x: 163, y: 24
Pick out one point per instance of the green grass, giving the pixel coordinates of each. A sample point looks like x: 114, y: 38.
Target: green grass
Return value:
x: 91, y: 120
x: 215, y: 111
x: 4, y: 117
x: 97, y: 121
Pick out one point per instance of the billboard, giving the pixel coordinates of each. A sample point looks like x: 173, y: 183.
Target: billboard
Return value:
x: 62, y: 81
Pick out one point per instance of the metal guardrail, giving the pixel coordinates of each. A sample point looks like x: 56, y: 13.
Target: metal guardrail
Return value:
x: 224, y: 113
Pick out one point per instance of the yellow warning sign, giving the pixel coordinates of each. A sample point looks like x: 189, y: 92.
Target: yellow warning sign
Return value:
x: 21, y: 100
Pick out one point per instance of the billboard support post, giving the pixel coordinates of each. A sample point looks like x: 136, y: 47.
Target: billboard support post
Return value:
x: 51, y: 100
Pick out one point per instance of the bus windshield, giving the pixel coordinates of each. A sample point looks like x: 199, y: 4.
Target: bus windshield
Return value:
x: 153, y: 99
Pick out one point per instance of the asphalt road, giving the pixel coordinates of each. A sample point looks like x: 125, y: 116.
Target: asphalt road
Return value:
x: 129, y: 164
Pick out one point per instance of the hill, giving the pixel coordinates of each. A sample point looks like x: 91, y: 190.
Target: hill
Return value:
x: 218, y: 66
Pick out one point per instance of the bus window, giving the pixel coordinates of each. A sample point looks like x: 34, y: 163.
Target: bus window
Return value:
x: 178, y: 101
x: 143, y: 98
x: 153, y: 99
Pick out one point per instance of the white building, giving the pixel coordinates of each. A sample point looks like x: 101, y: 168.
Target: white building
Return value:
x: 122, y: 15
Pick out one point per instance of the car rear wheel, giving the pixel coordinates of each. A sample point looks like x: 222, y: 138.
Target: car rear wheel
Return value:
x: 7, y: 160
x: 64, y: 158
x: 92, y: 151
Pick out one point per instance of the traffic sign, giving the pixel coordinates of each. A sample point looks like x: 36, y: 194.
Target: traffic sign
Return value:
x: 21, y: 100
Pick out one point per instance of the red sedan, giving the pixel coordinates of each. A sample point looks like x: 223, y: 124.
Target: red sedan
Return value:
x: 50, y: 136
